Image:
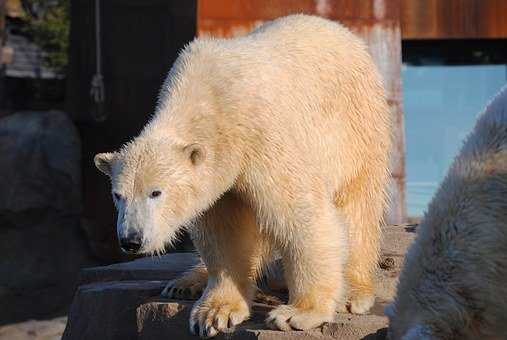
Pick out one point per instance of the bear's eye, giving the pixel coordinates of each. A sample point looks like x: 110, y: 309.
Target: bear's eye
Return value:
x: 117, y: 196
x: 155, y: 193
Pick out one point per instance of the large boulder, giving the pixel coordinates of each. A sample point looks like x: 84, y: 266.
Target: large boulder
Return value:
x: 40, y: 258
x: 39, y: 163
x: 42, y: 247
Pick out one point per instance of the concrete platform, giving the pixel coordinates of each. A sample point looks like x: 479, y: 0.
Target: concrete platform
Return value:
x: 122, y: 301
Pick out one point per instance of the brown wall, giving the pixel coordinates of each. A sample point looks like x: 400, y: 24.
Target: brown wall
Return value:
x: 444, y: 19
x: 229, y: 17
x: 377, y: 21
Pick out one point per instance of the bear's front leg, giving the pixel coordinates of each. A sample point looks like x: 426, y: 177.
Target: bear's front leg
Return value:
x: 314, y: 258
x: 231, y: 246
x: 224, y: 304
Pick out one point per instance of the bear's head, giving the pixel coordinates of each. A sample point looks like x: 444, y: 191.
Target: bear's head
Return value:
x: 158, y: 187
x: 406, y: 326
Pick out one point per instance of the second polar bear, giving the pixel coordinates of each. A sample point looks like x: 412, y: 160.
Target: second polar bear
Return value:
x: 275, y: 143
x: 453, y: 284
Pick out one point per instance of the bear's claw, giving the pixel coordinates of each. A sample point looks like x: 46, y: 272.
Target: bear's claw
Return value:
x: 179, y: 289
x: 288, y: 317
x: 207, y: 320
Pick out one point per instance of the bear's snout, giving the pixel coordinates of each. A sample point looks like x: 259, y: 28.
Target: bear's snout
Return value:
x: 132, y: 243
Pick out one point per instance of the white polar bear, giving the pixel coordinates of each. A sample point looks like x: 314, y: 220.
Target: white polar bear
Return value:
x: 453, y: 284
x: 272, y: 144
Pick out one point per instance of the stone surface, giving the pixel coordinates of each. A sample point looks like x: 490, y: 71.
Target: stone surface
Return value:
x: 395, y: 241
x: 122, y: 301
x: 169, y: 319
x: 34, y: 329
x: 107, y: 310
x: 149, y: 268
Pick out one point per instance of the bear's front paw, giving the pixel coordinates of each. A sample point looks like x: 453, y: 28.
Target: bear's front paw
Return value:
x: 210, y: 317
x: 289, y: 317
x: 183, y: 288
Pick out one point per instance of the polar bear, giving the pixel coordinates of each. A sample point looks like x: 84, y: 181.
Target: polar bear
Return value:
x: 275, y: 144
x: 453, y: 284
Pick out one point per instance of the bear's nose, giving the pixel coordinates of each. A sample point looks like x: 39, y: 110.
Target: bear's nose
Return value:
x: 132, y: 243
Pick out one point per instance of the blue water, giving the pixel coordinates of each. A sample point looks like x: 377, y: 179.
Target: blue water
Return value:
x: 441, y: 104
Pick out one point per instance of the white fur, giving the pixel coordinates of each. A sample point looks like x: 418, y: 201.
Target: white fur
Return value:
x: 121, y: 228
x: 293, y: 133
x: 453, y: 281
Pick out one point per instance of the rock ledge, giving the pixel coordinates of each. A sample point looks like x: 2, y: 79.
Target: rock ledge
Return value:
x: 122, y: 302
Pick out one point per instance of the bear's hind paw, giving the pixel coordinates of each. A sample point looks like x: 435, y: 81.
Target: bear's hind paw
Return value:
x: 361, y: 304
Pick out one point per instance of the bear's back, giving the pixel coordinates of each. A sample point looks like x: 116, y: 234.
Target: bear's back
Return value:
x: 301, y: 87
x: 300, y: 29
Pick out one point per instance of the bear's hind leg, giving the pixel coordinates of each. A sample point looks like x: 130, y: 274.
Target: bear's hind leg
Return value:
x: 232, y: 248
x: 363, y: 210
x: 314, y: 258
x: 190, y: 285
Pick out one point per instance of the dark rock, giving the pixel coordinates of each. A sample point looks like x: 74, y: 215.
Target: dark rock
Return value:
x: 149, y: 268
x: 168, y: 320
x: 39, y: 163
x: 41, y: 245
x: 107, y: 310
x: 39, y: 265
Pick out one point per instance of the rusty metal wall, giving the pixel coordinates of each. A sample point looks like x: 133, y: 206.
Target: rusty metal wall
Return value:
x: 376, y: 21
x: 451, y: 19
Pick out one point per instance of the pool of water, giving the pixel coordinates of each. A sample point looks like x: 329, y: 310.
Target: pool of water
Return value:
x: 441, y: 104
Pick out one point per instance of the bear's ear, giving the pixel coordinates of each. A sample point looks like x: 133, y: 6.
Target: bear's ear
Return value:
x: 104, y: 162
x: 195, y: 153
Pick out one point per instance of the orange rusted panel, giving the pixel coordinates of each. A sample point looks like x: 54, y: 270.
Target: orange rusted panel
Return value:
x: 377, y: 21
x: 449, y: 19
x: 227, y: 28
x: 270, y: 9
